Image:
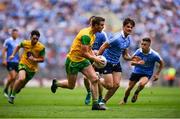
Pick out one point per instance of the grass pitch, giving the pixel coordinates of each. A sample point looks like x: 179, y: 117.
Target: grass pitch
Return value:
x: 156, y: 102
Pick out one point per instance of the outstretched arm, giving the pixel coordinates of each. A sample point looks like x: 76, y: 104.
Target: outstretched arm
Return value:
x: 4, y: 56
x: 156, y: 75
x: 126, y: 55
x: 14, y: 52
x: 103, y: 47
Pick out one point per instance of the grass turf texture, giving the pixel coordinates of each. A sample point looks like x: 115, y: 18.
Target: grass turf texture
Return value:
x: 40, y: 102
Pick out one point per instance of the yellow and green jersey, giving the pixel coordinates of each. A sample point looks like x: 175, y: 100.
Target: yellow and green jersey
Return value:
x: 84, y: 37
x: 36, y: 50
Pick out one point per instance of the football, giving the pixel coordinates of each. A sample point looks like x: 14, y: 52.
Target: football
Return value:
x: 98, y: 65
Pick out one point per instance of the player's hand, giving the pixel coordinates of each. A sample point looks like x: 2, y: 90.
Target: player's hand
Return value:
x: 135, y: 58
x: 155, y: 77
x: 141, y: 62
x: 4, y: 63
x: 31, y: 58
x: 11, y: 57
x: 95, y: 52
x: 99, y: 60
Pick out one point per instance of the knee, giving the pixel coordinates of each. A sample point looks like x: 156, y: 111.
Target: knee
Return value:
x: 94, y: 79
x: 21, y: 80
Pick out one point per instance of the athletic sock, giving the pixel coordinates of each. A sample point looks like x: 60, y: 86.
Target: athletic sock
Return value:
x: 13, y: 94
x: 125, y: 99
x: 95, y: 101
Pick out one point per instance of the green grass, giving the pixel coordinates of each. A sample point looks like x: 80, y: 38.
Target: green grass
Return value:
x: 40, y: 102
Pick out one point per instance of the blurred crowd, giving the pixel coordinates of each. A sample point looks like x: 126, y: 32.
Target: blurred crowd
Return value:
x: 60, y: 20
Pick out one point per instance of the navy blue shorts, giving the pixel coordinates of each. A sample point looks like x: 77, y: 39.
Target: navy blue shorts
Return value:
x: 98, y: 70
x: 137, y: 77
x: 109, y: 68
x: 12, y: 66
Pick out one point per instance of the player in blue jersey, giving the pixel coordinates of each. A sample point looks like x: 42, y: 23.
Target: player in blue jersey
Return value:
x: 101, y: 37
x: 112, y: 49
x: 12, y: 65
x: 143, y: 69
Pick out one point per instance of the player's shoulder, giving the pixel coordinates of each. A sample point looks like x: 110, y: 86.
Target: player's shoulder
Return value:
x: 153, y: 52
x: 40, y: 45
x: 138, y: 51
x: 85, y: 30
x: 8, y: 39
x: 26, y: 41
x: 114, y: 37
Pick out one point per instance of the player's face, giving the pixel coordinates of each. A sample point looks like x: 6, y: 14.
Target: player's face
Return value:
x: 34, y: 39
x: 100, y: 26
x: 145, y: 46
x: 127, y: 29
x: 15, y: 34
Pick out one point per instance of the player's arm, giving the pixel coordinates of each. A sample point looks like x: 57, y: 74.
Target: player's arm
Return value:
x: 4, y: 56
x: 104, y: 46
x: 126, y: 55
x: 86, y: 51
x: 160, y: 67
x: 14, y: 52
x: 40, y: 58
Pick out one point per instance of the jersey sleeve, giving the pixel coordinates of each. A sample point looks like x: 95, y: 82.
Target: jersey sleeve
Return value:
x: 158, y: 57
x: 85, y: 40
x: 113, y: 38
x: 105, y: 36
x: 21, y: 44
x: 42, y: 52
x: 136, y: 53
x: 5, y: 45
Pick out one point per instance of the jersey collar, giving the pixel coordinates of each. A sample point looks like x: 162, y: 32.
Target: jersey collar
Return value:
x: 150, y: 51
x: 122, y: 34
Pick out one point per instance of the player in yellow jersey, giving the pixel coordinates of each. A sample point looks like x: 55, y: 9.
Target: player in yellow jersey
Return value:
x: 33, y: 53
x: 78, y: 60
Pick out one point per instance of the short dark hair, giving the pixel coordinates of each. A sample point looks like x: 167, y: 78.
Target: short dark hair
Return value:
x: 97, y: 20
x: 127, y: 21
x: 147, y: 39
x: 35, y: 32
x: 90, y: 19
x: 13, y: 30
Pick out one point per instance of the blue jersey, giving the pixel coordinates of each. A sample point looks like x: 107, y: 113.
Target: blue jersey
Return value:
x: 101, y: 37
x: 118, y: 43
x: 10, y: 45
x: 149, y: 60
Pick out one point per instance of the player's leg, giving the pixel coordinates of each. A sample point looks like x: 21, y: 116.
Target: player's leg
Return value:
x: 13, y: 75
x: 72, y: 69
x: 90, y: 73
x: 116, y: 77
x: 6, y: 87
x: 128, y: 91
x: 100, y: 89
x: 107, y: 82
x: 24, y: 76
x: 17, y: 85
x: 88, y: 89
x: 69, y: 83
x: 143, y: 81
